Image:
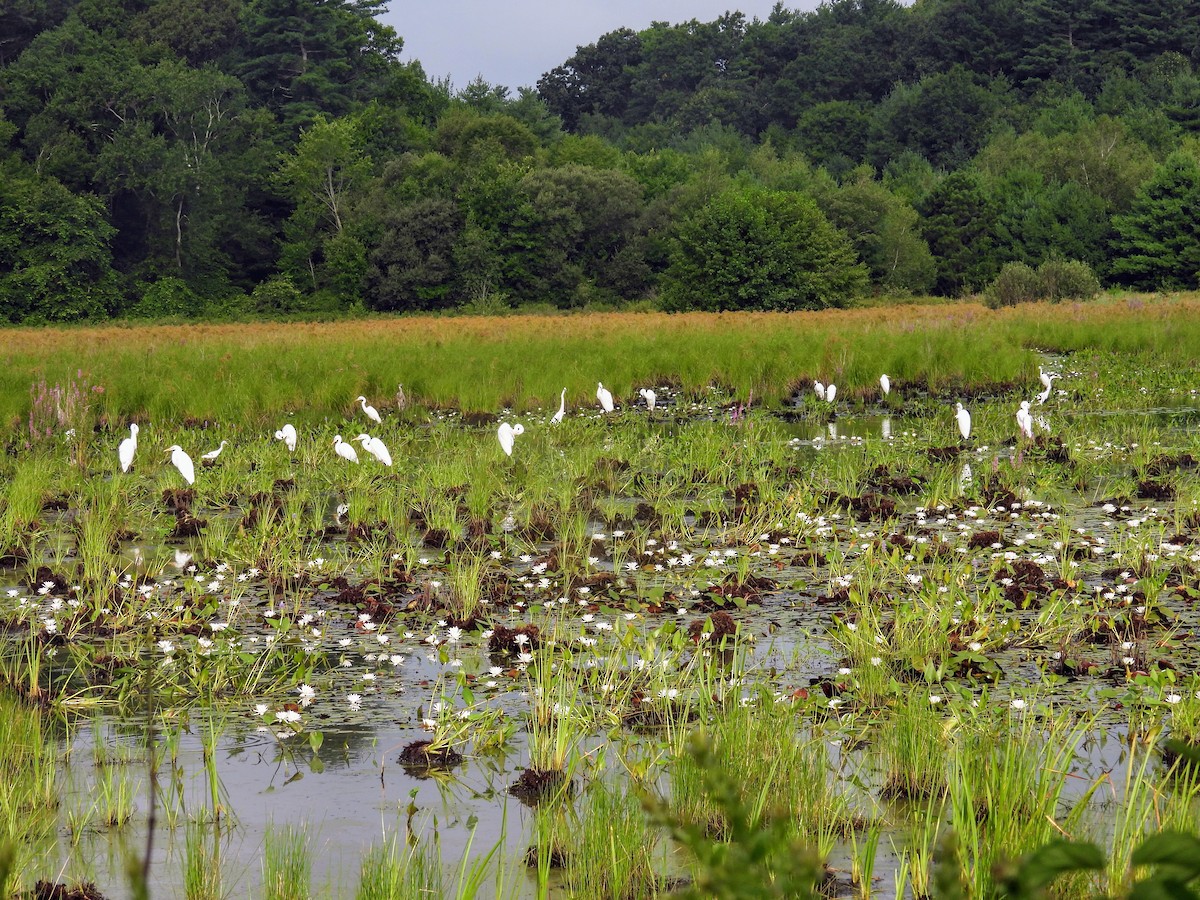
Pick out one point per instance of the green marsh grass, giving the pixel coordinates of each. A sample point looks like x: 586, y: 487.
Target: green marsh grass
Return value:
x: 781, y: 772
x: 202, y: 876
x: 391, y: 870
x: 614, y: 851
x: 913, y: 744
x: 1010, y: 769
x: 29, y: 796
x: 286, y: 863
x: 254, y: 373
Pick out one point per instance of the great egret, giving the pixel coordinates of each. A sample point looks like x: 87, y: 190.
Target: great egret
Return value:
x: 1025, y: 420
x: 830, y: 393
x: 183, y: 463
x: 885, y: 384
x: 820, y: 389
x: 344, y: 450
x: 372, y: 412
x: 650, y: 397
x: 506, y: 434
x: 964, y: 421
x: 562, y: 408
x: 376, y: 448
x: 127, y: 448
x: 213, y: 454
x: 604, y: 395
x: 1047, y: 379
x: 287, y: 434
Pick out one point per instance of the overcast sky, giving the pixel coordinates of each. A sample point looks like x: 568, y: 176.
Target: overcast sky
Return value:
x: 514, y: 42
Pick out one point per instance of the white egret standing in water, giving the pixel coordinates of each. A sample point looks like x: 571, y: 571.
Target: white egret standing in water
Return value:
x: 127, y: 448
x: 507, y: 434
x: 964, y: 421
x: 885, y: 384
x: 650, y: 397
x: 830, y: 393
x: 604, y: 395
x: 562, y: 408
x: 1025, y: 420
x: 1047, y: 379
x: 183, y: 463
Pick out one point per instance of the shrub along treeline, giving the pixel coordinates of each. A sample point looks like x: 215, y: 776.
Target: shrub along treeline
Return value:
x: 262, y: 157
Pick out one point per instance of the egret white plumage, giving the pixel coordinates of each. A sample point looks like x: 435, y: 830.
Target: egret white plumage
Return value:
x: 830, y: 393
x: 287, y: 434
x: 507, y: 434
x: 604, y: 395
x: 820, y: 389
x: 372, y: 412
x: 562, y: 408
x: 213, y: 454
x: 1047, y: 379
x: 376, y: 448
x: 964, y: 421
x: 344, y: 450
x: 885, y: 384
x: 650, y: 397
x: 1025, y: 420
x: 183, y: 463
x: 128, y: 448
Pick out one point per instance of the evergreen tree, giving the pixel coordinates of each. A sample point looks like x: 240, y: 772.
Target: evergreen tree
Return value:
x: 1157, y: 244
x: 960, y: 225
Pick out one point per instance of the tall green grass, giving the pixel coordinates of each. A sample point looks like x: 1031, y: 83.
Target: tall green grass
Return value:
x: 256, y: 375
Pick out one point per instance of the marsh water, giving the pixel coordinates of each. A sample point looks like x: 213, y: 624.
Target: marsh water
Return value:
x: 384, y: 673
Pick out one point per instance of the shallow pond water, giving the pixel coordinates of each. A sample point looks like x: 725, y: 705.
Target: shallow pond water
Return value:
x: 1025, y: 583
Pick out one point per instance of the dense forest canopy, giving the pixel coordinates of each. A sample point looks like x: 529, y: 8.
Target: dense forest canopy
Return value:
x: 209, y: 157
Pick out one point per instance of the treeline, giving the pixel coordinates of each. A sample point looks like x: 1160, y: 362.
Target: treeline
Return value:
x: 208, y: 157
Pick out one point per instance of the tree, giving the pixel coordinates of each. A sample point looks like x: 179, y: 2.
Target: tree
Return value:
x: 304, y: 58
x: 597, y: 80
x: 321, y: 177
x: 1039, y: 219
x: 946, y: 117
x: 412, y: 266
x: 1157, y: 244
x: 885, y: 232
x: 581, y: 221
x: 55, y: 263
x: 959, y: 224
x: 753, y: 249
